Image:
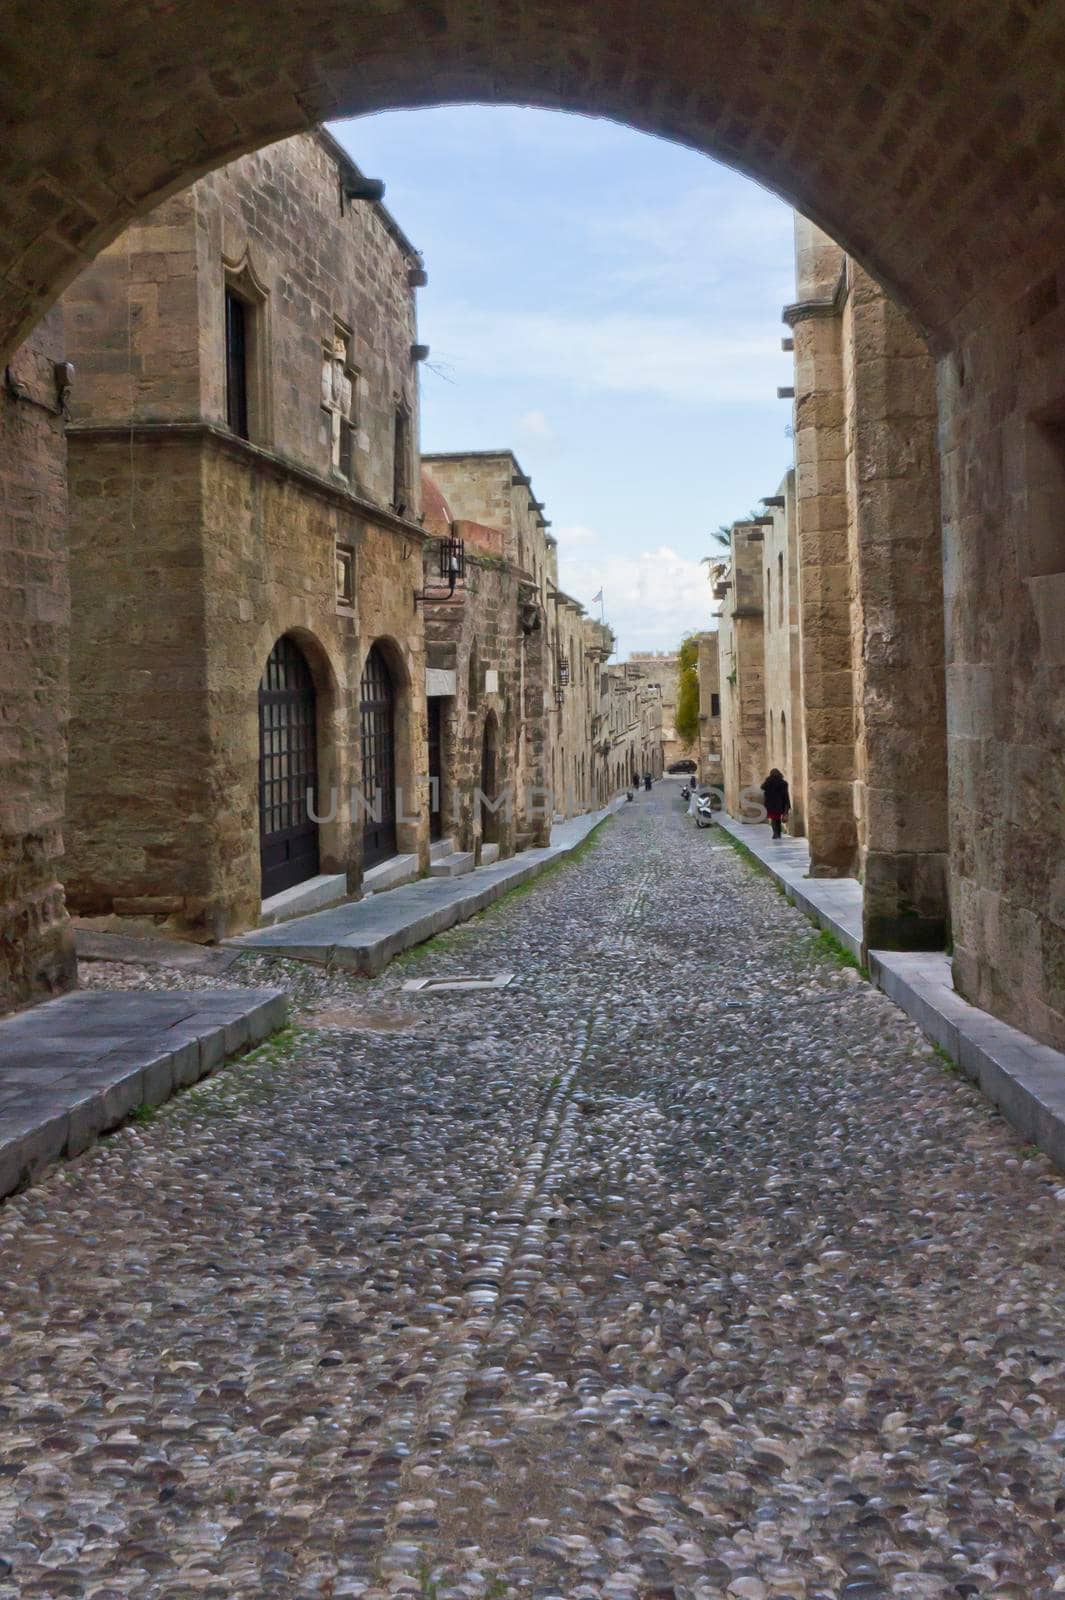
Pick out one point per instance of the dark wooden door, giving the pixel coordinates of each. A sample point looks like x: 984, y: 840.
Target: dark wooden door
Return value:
x: 436, y: 769
x: 288, y: 770
x: 378, y: 761
x: 489, y: 817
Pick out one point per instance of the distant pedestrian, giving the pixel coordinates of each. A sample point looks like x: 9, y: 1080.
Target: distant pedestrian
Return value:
x: 647, y: 780
x: 777, y: 799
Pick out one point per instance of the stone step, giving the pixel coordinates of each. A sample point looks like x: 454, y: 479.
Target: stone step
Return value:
x: 455, y: 865
x: 442, y: 847
x: 489, y: 854
x: 390, y: 874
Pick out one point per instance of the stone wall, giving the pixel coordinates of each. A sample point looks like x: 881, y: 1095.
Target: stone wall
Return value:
x: 194, y: 550
x: 1002, y: 397
x: 710, y: 769
x: 661, y: 667
x: 742, y: 665
x: 570, y: 707
x: 36, y: 947
x: 785, y: 733
x: 867, y: 514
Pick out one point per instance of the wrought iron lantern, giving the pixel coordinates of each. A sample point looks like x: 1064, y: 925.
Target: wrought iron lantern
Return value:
x: 563, y: 671
x: 452, y: 569
x: 560, y: 694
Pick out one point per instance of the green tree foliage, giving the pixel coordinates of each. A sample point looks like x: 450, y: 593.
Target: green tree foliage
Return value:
x: 687, y: 716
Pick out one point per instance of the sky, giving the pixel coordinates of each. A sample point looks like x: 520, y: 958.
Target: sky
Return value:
x: 607, y: 305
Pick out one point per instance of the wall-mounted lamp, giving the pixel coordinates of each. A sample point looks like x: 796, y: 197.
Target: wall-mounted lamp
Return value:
x: 452, y: 572
x: 364, y: 189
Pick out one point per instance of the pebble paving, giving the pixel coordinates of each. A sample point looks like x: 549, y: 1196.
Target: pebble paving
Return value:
x: 680, y: 1268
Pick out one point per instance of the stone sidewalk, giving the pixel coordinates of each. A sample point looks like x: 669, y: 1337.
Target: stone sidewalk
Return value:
x: 78, y: 1066
x: 365, y: 935
x: 1024, y: 1078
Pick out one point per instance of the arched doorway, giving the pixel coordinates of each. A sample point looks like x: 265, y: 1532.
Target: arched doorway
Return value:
x: 378, y: 731
x: 288, y: 769
x: 489, y: 780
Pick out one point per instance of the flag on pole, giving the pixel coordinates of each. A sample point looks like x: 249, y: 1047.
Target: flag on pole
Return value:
x: 596, y: 598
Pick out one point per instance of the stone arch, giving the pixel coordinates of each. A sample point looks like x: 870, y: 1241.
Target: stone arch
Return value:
x: 935, y: 134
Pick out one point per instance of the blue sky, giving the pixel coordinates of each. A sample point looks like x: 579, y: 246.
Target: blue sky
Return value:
x: 607, y: 305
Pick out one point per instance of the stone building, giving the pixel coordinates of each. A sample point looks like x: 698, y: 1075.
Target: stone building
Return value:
x: 245, y: 547
x: 486, y: 652
x: 36, y: 942
x: 868, y: 541
x: 741, y: 647
x: 709, y: 758
x: 575, y: 646
x: 662, y: 667
x: 524, y: 660
x: 785, y: 723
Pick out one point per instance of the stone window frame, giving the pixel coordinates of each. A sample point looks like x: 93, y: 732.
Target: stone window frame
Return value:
x: 345, y: 577
x: 345, y: 467
x: 240, y: 278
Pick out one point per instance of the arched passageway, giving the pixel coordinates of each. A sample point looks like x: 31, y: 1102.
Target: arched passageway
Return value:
x: 929, y: 140
x: 924, y: 138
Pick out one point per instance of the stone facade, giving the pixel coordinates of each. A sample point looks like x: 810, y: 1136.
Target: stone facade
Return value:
x: 36, y: 945
x: 1002, y: 405
x: 487, y: 665
x: 710, y: 769
x: 629, y: 731
x: 571, y: 702
x: 557, y: 750
x: 661, y: 667
x: 871, y: 596
x: 194, y: 550
x: 741, y: 647
x: 785, y: 733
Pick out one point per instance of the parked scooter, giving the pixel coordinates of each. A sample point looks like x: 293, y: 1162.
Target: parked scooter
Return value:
x: 704, y: 811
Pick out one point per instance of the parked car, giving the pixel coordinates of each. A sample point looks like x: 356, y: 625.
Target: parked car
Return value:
x: 681, y: 766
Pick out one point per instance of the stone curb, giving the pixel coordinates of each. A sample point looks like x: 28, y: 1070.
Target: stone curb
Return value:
x: 77, y: 1067
x: 1023, y: 1078
x: 384, y: 926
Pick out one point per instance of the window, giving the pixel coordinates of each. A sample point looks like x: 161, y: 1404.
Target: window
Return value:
x: 245, y: 311
x: 401, y: 463
x: 238, y: 317
x: 345, y: 556
x: 339, y: 397
x: 715, y: 705
x: 780, y: 590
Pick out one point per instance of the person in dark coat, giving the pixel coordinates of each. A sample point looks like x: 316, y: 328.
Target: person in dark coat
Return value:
x: 777, y: 799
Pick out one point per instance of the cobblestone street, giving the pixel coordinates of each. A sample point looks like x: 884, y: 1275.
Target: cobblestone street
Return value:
x: 681, y: 1267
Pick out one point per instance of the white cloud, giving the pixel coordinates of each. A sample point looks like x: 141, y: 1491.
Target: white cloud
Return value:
x: 534, y: 425
x: 651, y: 599
x: 613, y: 354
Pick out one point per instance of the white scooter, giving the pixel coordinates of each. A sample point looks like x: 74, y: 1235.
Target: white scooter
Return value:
x: 704, y: 811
